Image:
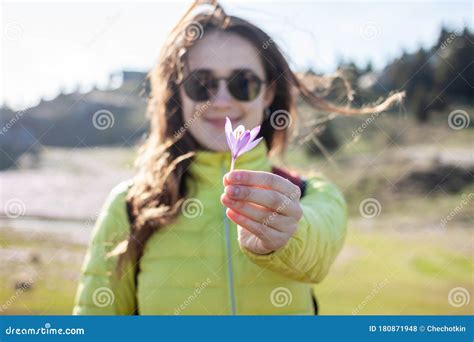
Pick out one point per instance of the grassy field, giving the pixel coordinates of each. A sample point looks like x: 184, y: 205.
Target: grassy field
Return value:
x: 380, y: 271
x: 404, y: 260
x: 40, y: 274
x: 383, y: 272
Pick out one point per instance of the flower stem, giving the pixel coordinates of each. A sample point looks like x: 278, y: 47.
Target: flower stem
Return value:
x: 232, y: 165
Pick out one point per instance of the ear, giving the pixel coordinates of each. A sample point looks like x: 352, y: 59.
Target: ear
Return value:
x: 269, y: 94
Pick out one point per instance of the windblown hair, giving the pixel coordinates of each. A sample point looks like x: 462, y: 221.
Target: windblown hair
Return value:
x: 158, y: 189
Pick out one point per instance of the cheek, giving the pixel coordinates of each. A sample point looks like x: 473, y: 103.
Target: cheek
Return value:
x: 192, y: 111
x: 253, y: 112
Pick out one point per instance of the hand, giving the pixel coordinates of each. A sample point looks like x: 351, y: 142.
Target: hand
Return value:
x: 265, y: 208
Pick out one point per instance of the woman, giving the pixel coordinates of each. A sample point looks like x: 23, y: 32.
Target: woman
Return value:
x: 178, y: 238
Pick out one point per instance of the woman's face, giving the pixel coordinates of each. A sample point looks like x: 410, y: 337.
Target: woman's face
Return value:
x: 222, y: 54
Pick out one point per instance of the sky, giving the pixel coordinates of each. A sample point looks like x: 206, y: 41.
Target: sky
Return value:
x: 49, y: 47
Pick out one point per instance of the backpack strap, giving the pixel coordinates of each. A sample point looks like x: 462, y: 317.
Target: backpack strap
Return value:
x: 292, y: 177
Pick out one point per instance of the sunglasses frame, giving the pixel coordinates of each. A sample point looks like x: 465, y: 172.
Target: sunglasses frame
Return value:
x: 227, y: 79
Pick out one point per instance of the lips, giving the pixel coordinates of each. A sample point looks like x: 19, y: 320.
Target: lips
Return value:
x: 220, y: 122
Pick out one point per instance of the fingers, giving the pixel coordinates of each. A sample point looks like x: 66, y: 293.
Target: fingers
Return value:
x: 259, y: 214
x: 263, y: 180
x: 270, y: 238
x: 273, y: 200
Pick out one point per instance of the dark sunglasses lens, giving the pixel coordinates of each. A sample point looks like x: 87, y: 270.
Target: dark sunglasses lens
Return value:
x: 200, y: 85
x: 245, y: 85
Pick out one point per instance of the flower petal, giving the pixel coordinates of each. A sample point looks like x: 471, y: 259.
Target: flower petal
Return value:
x: 250, y: 146
x: 228, y: 133
x: 241, y: 143
x: 254, y: 132
x: 239, y: 132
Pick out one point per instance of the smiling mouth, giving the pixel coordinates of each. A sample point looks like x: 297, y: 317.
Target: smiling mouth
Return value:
x: 220, y: 122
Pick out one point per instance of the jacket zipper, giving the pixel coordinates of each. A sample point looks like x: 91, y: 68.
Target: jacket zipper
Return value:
x: 229, y: 256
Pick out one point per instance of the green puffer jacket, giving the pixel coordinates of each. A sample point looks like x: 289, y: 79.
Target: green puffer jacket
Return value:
x: 195, y: 266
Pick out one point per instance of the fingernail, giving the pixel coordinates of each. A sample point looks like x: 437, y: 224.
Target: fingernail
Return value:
x: 235, y: 176
x: 232, y: 190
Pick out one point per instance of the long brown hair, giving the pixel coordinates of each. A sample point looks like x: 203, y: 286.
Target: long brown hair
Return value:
x: 158, y: 189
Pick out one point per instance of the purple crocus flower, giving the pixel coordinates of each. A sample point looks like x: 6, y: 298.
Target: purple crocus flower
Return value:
x: 240, y: 140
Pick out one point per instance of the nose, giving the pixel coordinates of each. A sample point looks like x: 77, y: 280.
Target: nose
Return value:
x: 222, y: 99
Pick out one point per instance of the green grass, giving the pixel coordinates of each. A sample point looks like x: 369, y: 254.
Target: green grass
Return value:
x: 54, y: 283
x: 396, y: 274
x: 51, y: 296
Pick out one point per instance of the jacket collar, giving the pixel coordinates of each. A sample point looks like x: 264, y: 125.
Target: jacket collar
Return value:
x: 210, y: 166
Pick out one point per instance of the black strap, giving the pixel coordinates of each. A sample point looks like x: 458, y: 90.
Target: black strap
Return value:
x: 303, y: 187
x: 315, y: 303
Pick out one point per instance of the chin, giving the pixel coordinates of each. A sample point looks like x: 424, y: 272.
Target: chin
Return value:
x: 214, y: 145
x: 222, y: 147
x: 209, y: 137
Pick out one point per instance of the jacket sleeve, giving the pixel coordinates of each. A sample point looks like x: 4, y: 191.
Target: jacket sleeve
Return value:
x: 319, y: 237
x: 100, y: 291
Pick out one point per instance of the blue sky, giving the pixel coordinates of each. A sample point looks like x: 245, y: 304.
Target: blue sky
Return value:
x: 54, y: 46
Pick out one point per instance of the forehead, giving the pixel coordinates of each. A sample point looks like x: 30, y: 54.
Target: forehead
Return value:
x: 224, y: 51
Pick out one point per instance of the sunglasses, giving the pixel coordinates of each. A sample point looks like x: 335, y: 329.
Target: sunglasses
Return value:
x: 243, y: 84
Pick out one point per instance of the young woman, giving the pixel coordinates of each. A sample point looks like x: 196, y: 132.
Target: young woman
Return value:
x: 184, y: 236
